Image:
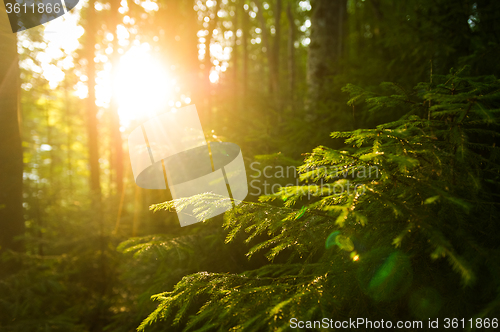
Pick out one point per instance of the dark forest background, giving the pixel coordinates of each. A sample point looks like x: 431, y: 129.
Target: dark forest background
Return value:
x: 409, y: 87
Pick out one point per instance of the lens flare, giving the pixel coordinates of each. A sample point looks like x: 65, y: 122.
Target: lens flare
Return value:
x: 330, y: 240
x: 385, y: 274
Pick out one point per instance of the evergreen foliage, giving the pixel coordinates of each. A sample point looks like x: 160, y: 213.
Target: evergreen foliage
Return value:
x: 416, y: 221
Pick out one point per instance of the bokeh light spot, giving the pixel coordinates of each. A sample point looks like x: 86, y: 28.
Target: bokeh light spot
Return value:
x: 385, y: 274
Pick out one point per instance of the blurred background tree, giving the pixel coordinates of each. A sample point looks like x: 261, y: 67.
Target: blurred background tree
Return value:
x: 11, y: 167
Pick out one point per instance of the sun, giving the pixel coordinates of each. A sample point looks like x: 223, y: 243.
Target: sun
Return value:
x: 143, y: 87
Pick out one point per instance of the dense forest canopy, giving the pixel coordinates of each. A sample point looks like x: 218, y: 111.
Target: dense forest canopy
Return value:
x: 369, y: 133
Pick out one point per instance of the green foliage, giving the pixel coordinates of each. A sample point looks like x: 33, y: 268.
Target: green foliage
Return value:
x: 413, y: 202
x: 58, y: 292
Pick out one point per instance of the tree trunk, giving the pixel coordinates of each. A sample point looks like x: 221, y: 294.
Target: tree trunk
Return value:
x: 235, y: 59
x: 178, y: 27
x: 325, y: 49
x: 116, y: 136
x: 276, y: 51
x: 291, y: 56
x: 267, y: 44
x: 244, y: 42
x: 11, y: 153
x: 95, y: 182
x: 208, y: 64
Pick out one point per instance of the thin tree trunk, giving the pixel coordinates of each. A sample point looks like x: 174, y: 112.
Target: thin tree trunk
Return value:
x: 138, y: 204
x: 267, y: 44
x: 235, y: 59
x: 116, y: 136
x: 190, y: 62
x: 276, y: 50
x: 276, y: 62
x: 291, y: 56
x: 11, y: 153
x: 95, y: 183
x: 208, y: 62
x: 120, y: 206
x: 39, y: 218
x: 69, y: 139
x: 92, y: 131
x: 244, y: 37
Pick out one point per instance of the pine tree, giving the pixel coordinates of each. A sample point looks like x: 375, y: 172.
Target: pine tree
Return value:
x: 401, y: 224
